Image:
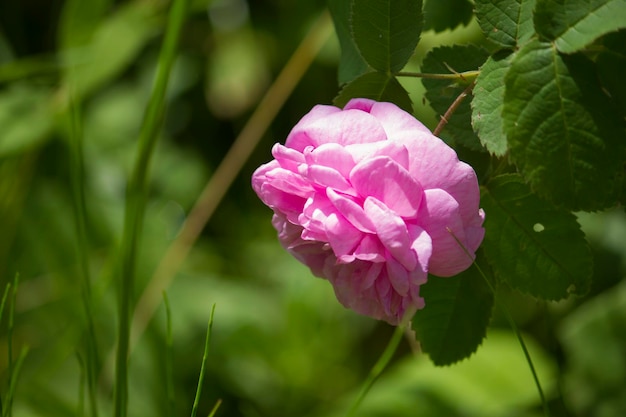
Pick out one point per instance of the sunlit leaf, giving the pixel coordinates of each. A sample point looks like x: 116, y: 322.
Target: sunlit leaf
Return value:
x: 26, y: 118
x: 351, y: 63
x: 376, y: 86
x: 562, y: 132
x: 531, y: 245
x: 574, y: 24
x: 487, y: 103
x: 508, y: 23
x: 442, y: 93
x: 387, y: 31
x: 454, y: 322
x: 79, y: 19
x: 440, y: 15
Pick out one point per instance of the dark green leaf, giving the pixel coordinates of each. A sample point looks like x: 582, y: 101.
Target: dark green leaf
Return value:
x: 508, y: 23
x: 533, y: 246
x: 454, y: 321
x: 376, y: 86
x: 26, y: 117
x: 487, y: 103
x: 441, y: 15
x: 442, y: 93
x: 387, y: 31
x: 574, y: 24
x: 562, y: 132
x: 351, y: 63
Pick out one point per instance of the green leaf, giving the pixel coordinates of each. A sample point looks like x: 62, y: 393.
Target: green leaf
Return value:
x: 442, y: 93
x: 115, y: 43
x: 376, y: 86
x: 351, y: 63
x: 531, y: 245
x: 26, y: 117
x: 508, y: 23
x: 562, y: 132
x: 487, y: 103
x: 441, y: 15
x: 387, y: 31
x: 454, y: 321
x: 574, y: 24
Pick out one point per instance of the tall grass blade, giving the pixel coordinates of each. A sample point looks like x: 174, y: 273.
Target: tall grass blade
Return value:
x: 196, y: 401
x: 215, y: 408
x: 15, y: 372
x: 169, y: 359
x: 8, y: 401
x: 77, y: 169
x: 136, y: 199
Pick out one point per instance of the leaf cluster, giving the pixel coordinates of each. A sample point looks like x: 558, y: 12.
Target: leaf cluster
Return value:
x: 547, y: 111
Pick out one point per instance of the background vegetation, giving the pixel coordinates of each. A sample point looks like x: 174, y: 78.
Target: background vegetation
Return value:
x: 76, y: 80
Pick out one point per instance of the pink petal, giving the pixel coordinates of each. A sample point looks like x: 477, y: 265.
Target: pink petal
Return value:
x: 440, y: 217
x: 327, y: 177
x: 368, y: 279
x: 287, y: 158
x: 342, y: 236
x: 391, y: 231
x: 423, y: 247
x: 398, y: 277
x: 345, y: 127
x: 331, y: 155
x: 298, y: 139
x: 393, y: 150
x: 387, y: 181
x: 395, y: 120
x: 363, y: 104
x: 351, y: 211
x: 370, y: 249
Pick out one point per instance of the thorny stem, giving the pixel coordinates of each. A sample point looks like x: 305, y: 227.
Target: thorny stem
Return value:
x: 455, y: 104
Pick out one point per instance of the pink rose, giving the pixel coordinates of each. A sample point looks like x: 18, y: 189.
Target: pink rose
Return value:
x: 366, y: 197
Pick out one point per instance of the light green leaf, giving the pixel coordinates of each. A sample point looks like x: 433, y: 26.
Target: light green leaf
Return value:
x: 574, y: 24
x: 115, y: 43
x: 562, y: 132
x: 442, y: 93
x: 351, y: 63
x: 26, y: 118
x: 441, y: 15
x: 454, y: 321
x: 487, y: 103
x: 376, y: 86
x: 531, y: 245
x: 508, y: 23
x: 387, y: 31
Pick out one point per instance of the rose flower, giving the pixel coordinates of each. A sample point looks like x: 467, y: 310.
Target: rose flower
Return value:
x: 369, y: 199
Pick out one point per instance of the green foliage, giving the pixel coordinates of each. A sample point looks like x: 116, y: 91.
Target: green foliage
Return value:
x: 442, y: 93
x: 488, y: 101
x: 507, y: 23
x: 562, y: 132
x: 351, y: 63
x: 457, y: 315
x: 572, y: 25
x: 386, y: 32
x: 531, y: 245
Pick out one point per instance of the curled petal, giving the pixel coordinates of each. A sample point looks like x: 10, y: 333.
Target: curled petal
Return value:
x: 342, y: 236
x: 331, y: 155
x: 287, y: 158
x: 394, y: 150
x: 391, y: 231
x: 387, y: 181
x: 351, y: 211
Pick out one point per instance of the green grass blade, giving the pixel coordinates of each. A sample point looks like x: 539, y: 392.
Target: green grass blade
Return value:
x: 215, y: 408
x: 136, y: 199
x: 196, y: 401
x: 77, y: 169
x: 4, y: 299
x: 8, y: 402
x: 169, y: 359
x: 15, y: 372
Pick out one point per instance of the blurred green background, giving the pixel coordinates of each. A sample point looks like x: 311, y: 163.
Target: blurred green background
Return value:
x: 281, y: 344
